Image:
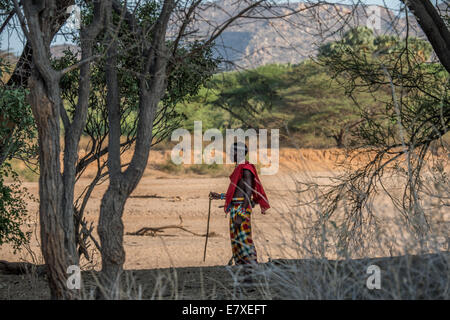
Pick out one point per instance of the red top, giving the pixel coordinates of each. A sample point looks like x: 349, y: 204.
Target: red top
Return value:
x: 259, y: 196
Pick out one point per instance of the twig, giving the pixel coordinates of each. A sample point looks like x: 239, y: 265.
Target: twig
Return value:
x: 153, y: 230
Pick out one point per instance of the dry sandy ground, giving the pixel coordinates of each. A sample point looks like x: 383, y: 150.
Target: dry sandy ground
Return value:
x: 162, y: 199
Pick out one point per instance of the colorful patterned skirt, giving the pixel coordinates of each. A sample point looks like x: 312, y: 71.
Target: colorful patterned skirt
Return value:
x: 243, y: 248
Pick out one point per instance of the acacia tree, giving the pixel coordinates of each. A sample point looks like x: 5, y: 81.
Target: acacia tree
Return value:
x: 183, y: 80
x: 56, y: 188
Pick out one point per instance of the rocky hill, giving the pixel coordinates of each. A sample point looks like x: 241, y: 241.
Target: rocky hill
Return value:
x: 250, y: 43
x: 255, y: 42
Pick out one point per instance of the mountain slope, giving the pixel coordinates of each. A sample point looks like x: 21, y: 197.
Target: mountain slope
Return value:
x: 249, y: 43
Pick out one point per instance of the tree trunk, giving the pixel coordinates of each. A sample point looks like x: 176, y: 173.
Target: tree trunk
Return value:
x: 121, y: 185
x: 53, y: 246
x: 339, y: 138
x: 434, y: 28
x: 110, y: 230
x: 40, y: 21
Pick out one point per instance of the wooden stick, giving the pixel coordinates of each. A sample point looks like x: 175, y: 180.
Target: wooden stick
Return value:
x: 207, y: 230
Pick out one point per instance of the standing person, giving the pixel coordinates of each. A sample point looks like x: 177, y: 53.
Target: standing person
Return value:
x: 244, y: 191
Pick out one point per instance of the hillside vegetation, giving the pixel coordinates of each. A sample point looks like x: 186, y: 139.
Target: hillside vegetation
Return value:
x: 303, y: 101
x: 306, y: 101
x: 318, y: 102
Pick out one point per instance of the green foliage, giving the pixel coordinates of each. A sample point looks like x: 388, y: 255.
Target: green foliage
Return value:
x: 362, y: 42
x: 189, y: 72
x: 192, y: 66
x: 17, y: 133
x: 358, y: 39
x: 301, y: 100
x: 249, y: 96
x: 17, y: 129
x: 416, y: 100
x: 317, y: 103
x: 13, y: 211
